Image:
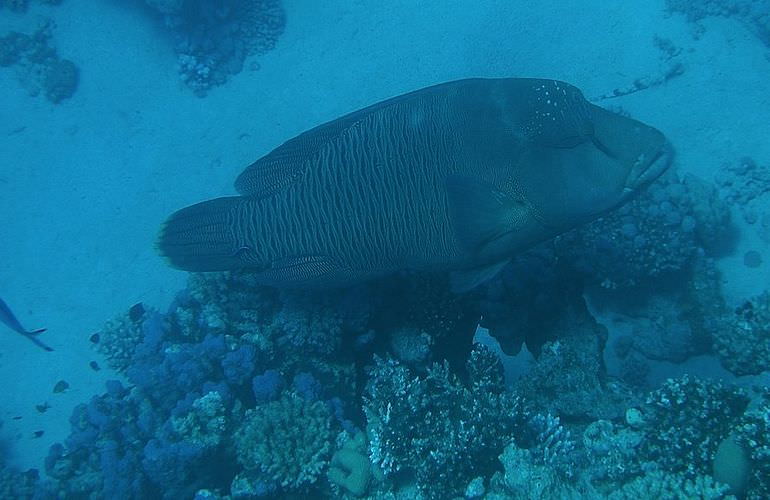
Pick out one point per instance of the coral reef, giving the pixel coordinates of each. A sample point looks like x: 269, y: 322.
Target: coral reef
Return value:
x: 743, y: 343
x: 659, y: 484
x: 752, y: 433
x: 213, y: 40
x: 755, y: 14
x: 350, y: 467
x: 685, y: 421
x: 437, y: 428
x: 21, y: 5
x: 242, y: 391
x: 611, y: 451
x: 523, y: 478
x: 569, y: 377
x: 743, y: 184
x: 520, y: 304
x: 37, y: 65
x: 16, y: 484
x: 653, y: 236
x: 119, y: 337
x: 286, y: 442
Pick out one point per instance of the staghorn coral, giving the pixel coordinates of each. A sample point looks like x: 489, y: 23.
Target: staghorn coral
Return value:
x: 286, y: 442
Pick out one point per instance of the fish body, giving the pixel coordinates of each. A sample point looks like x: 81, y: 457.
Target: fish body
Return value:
x: 459, y: 177
x: 7, y: 317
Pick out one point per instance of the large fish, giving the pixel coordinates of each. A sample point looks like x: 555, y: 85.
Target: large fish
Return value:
x: 459, y: 176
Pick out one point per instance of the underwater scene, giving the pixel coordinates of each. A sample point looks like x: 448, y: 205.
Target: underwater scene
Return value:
x: 413, y: 249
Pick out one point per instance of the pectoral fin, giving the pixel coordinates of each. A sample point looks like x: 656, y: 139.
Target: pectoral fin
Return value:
x: 462, y: 281
x: 481, y: 214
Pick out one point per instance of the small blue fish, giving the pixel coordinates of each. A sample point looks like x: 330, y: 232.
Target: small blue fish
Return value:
x: 7, y: 317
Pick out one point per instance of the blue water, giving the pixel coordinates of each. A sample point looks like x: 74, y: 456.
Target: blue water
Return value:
x: 627, y: 358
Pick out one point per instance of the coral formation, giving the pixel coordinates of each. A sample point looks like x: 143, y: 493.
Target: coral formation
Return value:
x: 437, y: 428
x: 743, y: 343
x: 61, y: 80
x: 686, y: 419
x: 743, y: 184
x: 569, y: 377
x: 755, y: 14
x: 285, y: 442
x: 213, y: 40
x: 37, y: 65
x: 119, y: 338
x: 239, y: 390
x: 656, y: 234
x: 350, y: 467
x: 752, y: 434
x: 659, y: 484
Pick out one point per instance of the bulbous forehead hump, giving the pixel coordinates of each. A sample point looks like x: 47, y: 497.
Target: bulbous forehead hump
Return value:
x: 555, y: 113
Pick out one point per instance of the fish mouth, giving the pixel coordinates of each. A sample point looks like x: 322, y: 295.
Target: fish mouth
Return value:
x: 648, y: 167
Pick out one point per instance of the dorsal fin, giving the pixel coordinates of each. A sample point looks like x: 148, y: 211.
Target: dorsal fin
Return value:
x: 285, y: 164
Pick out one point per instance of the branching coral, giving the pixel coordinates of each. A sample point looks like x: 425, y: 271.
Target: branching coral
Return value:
x: 443, y: 431
x: 753, y: 435
x: 686, y: 420
x: 671, y: 486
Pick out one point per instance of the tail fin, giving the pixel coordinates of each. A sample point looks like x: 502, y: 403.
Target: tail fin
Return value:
x: 201, y: 237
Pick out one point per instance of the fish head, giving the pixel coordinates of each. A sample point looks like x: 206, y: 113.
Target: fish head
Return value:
x: 578, y: 180
x: 551, y: 113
